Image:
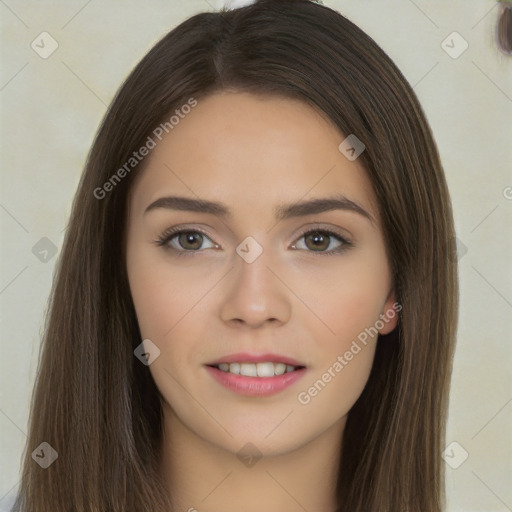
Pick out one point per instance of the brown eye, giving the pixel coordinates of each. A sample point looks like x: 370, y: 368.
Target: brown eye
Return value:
x: 190, y: 240
x: 184, y: 241
x: 322, y: 241
x: 317, y: 240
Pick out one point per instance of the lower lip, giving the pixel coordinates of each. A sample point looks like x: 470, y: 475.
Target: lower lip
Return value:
x: 255, y: 386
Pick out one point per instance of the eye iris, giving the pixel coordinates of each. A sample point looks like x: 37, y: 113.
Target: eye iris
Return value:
x: 190, y: 237
x: 320, y: 241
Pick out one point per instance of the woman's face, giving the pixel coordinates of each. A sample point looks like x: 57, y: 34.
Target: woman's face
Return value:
x: 244, y: 284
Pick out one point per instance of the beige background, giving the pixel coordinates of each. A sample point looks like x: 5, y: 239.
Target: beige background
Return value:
x: 51, y: 109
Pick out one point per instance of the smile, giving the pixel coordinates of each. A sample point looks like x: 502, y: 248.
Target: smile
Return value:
x: 253, y: 374
x: 264, y: 369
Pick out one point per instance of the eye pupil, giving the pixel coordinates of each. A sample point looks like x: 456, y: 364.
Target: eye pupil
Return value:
x: 319, y: 240
x: 191, y: 237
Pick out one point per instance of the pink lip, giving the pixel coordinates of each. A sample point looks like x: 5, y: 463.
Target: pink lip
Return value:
x: 245, y: 357
x: 255, y: 386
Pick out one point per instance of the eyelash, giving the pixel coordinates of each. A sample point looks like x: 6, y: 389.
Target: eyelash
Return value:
x: 170, y: 233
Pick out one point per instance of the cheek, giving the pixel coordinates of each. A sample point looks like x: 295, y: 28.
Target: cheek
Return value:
x: 332, y: 390
x: 343, y: 300
x: 163, y: 293
x: 344, y: 305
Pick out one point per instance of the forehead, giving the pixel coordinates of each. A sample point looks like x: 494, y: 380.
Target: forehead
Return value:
x: 251, y: 152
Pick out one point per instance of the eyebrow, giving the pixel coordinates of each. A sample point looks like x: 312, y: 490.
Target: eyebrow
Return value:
x: 281, y: 212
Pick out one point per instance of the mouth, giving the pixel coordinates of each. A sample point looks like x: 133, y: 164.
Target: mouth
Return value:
x: 263, y: 369
x: 256, y: 375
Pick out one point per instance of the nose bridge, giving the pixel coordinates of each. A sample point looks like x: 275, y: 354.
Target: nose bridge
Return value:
x: 255, y: 295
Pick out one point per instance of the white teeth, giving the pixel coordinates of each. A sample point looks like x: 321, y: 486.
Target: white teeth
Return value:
x: 267, y: 369
x: 248, y: 369
x: 279, y: 368
x: 234, y: 368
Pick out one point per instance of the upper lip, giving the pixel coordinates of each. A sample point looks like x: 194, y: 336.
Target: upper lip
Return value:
x: 245, y: 357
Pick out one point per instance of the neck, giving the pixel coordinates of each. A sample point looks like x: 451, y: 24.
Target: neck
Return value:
x: 203, y: 477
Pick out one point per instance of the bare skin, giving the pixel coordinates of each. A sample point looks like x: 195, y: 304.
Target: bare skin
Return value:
x: 198, y: 300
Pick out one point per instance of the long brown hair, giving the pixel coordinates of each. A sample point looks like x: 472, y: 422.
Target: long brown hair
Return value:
x: 97, y: 405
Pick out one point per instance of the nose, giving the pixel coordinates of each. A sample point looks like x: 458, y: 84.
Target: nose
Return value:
x: 254, y: 294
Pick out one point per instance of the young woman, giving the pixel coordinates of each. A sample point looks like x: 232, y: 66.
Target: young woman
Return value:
x: 255, y: 305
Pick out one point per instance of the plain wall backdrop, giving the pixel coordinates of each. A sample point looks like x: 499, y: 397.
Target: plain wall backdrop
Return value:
x: 52, y: 104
